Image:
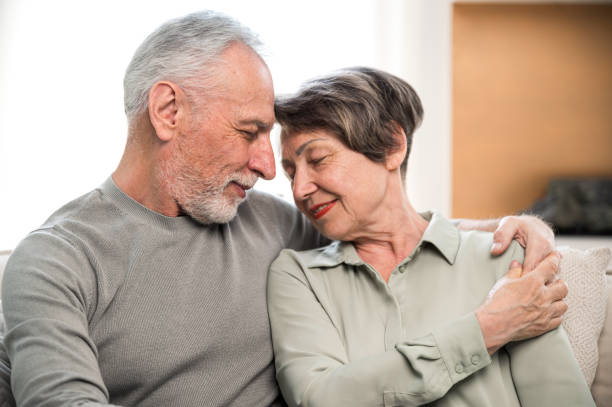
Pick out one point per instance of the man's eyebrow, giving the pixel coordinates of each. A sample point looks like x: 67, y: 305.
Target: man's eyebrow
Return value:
x: 303, y: 146
x: 260, y: 125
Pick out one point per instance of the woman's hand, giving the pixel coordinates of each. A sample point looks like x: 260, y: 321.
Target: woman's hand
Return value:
x: 522, y: 306
x: 532, y: 233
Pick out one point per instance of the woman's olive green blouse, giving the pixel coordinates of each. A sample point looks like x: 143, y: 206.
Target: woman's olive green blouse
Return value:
x: 344, y: 337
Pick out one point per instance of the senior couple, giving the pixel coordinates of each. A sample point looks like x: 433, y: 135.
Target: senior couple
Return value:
x: 151, y: 289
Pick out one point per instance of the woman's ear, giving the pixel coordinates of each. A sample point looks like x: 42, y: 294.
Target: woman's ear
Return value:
x: 166, y: 105
x: 395, y: 158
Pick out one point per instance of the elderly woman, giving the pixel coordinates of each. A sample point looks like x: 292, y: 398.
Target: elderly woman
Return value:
x: 386, y: 315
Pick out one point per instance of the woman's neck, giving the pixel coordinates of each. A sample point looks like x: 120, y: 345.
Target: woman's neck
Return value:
x: 392, y: 239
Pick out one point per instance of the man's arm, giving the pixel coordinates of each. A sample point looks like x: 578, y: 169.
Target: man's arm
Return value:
x: 6, y: 394
x: 47, y: 294
x: 531, y: 232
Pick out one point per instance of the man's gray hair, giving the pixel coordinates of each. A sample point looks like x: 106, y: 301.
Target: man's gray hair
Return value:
x: 361, y: 106
x: 183, y: 51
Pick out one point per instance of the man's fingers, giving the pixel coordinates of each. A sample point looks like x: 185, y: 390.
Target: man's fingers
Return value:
x: 503, y: 236
x: 535, y: 236
x: 534, y: 254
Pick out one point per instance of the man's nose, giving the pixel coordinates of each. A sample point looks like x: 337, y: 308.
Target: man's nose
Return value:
x: 262, y: 158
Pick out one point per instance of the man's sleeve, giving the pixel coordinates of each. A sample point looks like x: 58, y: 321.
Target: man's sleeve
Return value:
x: 48, y: 293
x: 6, y: 395
x: 313, y: 368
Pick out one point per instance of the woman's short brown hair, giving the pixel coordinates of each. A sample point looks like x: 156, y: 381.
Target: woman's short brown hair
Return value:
x: 362, y: 106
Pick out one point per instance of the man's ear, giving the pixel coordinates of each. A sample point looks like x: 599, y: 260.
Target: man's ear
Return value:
x: 166, y: 105
x: 395, y: 158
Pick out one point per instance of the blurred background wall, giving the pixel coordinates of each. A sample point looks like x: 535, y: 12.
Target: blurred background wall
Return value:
x: 62, y: 127
x: 532, y: 101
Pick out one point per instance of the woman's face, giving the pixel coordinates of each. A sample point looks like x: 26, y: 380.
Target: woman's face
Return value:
x: 338, y: 189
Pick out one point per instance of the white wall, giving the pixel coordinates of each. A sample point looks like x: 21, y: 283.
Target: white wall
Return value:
x: 414, y: 42
x: 62, y: 127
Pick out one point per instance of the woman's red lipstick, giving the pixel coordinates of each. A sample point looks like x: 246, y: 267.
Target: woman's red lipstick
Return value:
x: 321, y: 209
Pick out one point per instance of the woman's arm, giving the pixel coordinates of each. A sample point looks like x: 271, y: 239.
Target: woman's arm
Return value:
x: 545, y: 372
x: 313, y: 368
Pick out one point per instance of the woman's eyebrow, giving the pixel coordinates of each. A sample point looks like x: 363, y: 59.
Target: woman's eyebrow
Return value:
x: 303, y: 146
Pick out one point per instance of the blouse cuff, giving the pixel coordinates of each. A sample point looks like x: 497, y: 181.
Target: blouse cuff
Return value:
x: 462, y: 347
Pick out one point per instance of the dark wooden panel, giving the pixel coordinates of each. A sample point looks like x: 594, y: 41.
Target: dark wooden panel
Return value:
x: 532, y: 99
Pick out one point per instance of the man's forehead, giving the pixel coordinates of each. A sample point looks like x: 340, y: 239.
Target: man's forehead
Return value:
x: 240, y: 64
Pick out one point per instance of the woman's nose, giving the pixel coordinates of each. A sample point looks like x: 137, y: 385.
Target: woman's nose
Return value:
x: 303, y: 186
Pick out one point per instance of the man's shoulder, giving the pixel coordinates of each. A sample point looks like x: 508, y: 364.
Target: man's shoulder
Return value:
x: 91, y: 214
x: 265, y: 201
x: 81, y: 208
x: 89, y: 221
x: 263, y: 207
x: 276, y: 218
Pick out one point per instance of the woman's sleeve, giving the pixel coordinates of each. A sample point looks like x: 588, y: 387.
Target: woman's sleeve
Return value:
x: 546, y: 373
x: 312, y: 365
x: 544, y: 369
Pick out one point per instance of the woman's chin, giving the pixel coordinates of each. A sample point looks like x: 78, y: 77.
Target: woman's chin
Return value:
x: 330, y: 232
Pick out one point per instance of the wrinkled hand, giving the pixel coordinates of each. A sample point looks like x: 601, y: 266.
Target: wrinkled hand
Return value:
x: 532, y: 233
x: 522, y: 306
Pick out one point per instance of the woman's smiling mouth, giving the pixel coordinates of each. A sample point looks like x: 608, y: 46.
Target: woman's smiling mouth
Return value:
x: 321, y: 209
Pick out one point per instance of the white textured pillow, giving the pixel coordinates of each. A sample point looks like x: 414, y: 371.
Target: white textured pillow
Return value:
x: 585, y: 275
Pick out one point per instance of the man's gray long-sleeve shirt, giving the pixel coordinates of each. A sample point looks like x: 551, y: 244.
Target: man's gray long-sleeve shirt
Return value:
x: 110, y: 302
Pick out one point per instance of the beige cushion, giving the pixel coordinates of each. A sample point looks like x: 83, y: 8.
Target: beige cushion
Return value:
x: 602, y: 385
x: 585, y: 274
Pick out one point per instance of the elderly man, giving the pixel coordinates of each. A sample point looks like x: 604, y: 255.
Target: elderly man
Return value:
x: 150, y: 290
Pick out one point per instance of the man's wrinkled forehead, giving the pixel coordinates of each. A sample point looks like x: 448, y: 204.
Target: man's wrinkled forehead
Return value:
x: 240, y: 77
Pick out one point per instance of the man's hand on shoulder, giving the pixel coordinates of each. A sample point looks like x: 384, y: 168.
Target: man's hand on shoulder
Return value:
x: 523, y: 305
x: 531, y: 232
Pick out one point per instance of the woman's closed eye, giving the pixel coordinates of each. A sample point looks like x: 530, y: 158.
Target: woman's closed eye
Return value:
x: 317, y: 160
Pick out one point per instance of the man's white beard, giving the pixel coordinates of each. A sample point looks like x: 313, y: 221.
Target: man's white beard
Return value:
x: 203, y: 199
